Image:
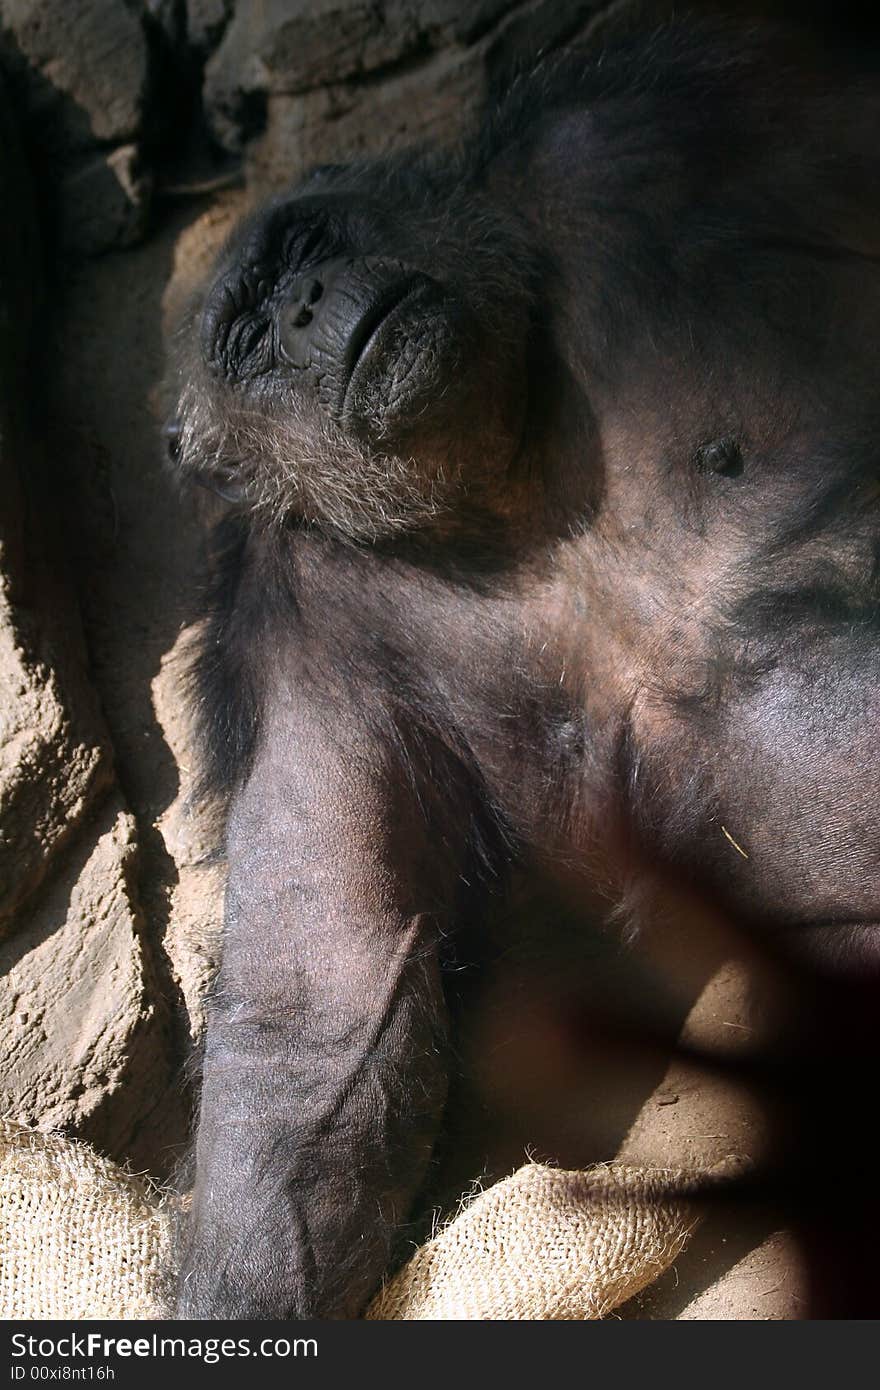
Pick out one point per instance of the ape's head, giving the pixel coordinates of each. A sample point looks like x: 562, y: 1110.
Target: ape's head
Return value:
x: 358, y: 359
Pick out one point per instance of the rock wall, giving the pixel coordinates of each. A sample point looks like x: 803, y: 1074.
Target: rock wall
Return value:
x: 83, y: 1030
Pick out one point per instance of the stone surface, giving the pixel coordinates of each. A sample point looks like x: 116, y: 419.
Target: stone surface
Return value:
x: 104, y: 202
x: 206, y: 21
x: 434, y: 101
x: 84, y: 67
x: 279, y: 48
x: 137, y: 547
x: 168, y: 16
x: 347, y: 76
x: 52, y: 765
x: 72, y: 986
x: 84, y: 1022
x: 86, y: 79
x: 53, y: 760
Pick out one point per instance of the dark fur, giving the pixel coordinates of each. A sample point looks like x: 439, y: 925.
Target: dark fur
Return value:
x: 655, y: 616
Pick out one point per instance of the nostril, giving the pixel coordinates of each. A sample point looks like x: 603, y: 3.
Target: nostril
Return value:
x: 307, y: 292
x: 307, y: 313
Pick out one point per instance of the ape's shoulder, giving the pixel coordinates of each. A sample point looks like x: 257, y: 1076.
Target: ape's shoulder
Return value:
x: 280, y: 603
x: 730, y: 79
x: 670, y: 63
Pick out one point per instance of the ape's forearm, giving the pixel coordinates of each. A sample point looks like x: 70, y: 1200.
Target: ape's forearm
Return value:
x: 318, y: 1117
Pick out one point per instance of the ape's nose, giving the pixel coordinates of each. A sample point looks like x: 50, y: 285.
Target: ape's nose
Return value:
x: 305, y: 293
x: 308, y: 302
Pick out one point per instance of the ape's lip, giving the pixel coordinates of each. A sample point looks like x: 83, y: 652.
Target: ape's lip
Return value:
x: 378, y: 315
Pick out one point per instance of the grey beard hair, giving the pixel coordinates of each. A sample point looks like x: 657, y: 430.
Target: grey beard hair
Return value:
x: 356, y: 492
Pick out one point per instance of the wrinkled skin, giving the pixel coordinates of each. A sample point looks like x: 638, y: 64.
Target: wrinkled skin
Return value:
x: 554, y: 542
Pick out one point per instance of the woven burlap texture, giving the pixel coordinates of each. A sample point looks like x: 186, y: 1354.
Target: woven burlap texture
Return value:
x: 545, y: 1244
x: 79, y: 1238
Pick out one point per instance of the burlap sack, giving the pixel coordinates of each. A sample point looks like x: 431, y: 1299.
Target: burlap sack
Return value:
x: 545, y: 1244
x: 81, y: 1239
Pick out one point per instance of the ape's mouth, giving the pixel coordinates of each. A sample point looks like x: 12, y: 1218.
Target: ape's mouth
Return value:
x: 379, y: 312
x: 379, y: 352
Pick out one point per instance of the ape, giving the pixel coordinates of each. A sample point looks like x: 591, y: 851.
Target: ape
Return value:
x: 554, y: 543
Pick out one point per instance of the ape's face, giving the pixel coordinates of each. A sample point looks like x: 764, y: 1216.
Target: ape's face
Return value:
x: 365, y: 337
x: 353, y: 369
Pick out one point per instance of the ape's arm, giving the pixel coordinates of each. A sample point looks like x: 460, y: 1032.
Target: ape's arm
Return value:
x: 324, y: 1072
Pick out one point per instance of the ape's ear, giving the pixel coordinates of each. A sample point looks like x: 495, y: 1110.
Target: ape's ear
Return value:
x: 171, y: 438
x: 224, y: 482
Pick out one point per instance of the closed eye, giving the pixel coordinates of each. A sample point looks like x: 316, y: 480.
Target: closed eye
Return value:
x: 249, y: 346
x: 301, y: 249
